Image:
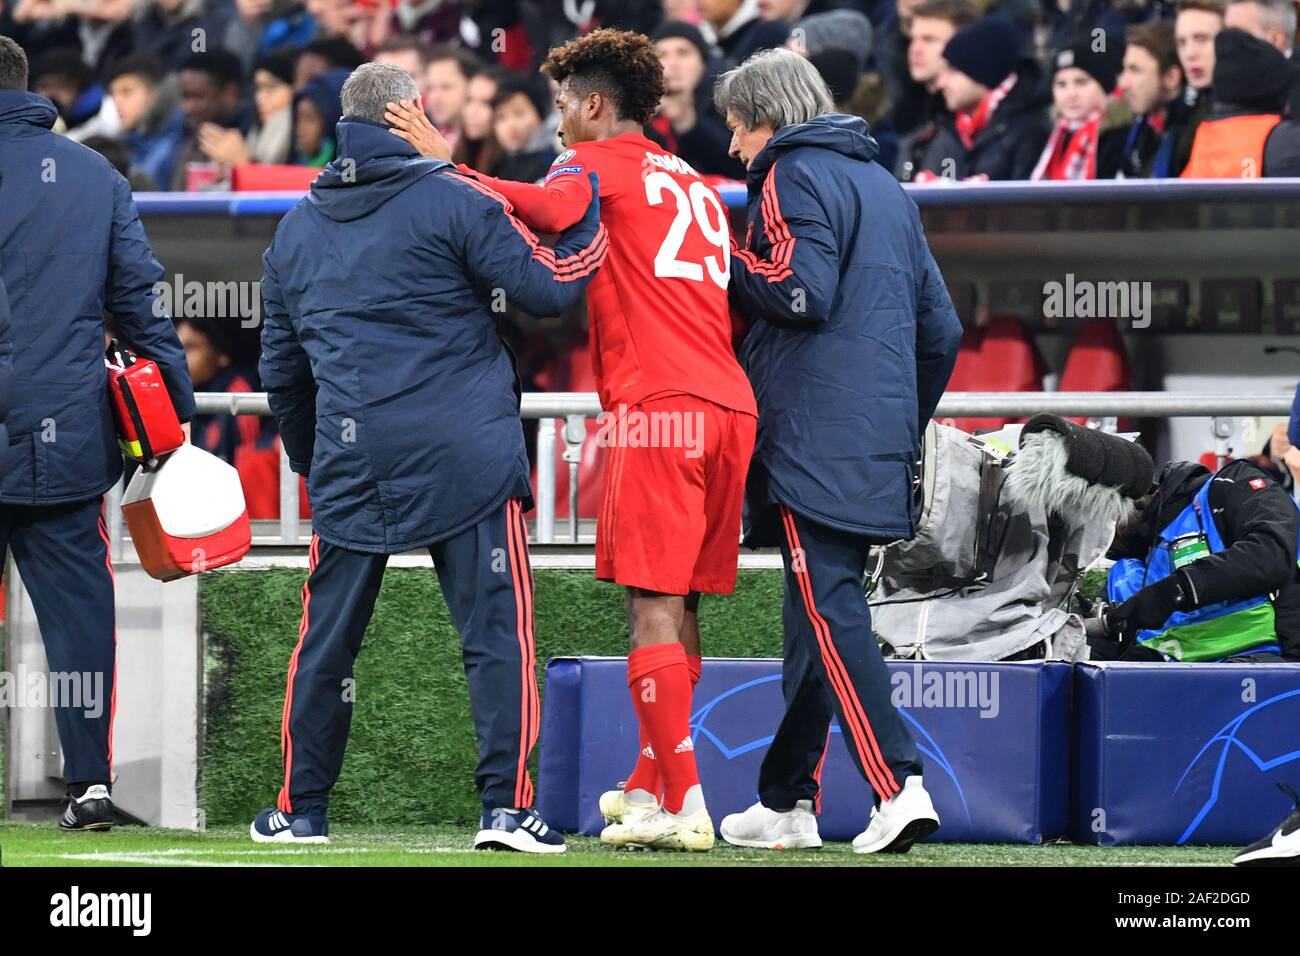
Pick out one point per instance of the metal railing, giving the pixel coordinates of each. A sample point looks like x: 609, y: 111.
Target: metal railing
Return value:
x: 948, y: 194
x: 574, y: 409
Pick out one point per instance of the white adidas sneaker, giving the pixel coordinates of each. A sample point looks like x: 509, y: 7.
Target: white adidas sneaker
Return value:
x: 768, y: 829
x: 898, y: 823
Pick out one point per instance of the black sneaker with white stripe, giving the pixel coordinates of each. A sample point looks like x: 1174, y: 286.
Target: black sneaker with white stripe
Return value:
x: 93, y: 810
x: 1282, y: 846
x: 521, y: 830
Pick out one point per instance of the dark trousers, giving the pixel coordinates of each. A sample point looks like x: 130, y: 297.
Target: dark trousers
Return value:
x: 832, y: 667
x: 487, y: 581
x: 62, y: 556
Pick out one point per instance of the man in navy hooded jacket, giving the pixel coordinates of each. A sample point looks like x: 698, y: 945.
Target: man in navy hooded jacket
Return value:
x: 853, y: 340
x: 397, y: 399
x: 71, y: 249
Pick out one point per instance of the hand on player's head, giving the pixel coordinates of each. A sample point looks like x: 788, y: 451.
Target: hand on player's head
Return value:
x: 409, y: 122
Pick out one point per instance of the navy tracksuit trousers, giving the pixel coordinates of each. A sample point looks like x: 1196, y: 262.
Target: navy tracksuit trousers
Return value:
x: 487, y: 581
x: 62, y: 556
x: 832, y: 667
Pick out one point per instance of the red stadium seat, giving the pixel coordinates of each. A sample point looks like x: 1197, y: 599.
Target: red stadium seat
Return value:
x: 258, y: 177
x: 964, y: 372
x: 1007, y: 360
x: 1098, y: 362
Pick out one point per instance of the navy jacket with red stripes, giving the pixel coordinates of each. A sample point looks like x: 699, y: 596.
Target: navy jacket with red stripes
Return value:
x: 392, y: 389
x: 853, y: 334
x: 72, y: 252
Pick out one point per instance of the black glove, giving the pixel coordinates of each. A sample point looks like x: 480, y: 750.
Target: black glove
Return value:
x: 1151, y: 607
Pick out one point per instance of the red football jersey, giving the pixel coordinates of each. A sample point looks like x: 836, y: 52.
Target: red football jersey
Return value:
x: 657, y: 309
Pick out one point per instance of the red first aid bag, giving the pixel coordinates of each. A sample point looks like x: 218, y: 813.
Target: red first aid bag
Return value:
x: 147, y: 426
x: 187, y: 515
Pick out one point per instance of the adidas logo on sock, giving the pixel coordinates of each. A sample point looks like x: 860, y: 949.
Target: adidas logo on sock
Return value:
x: 648, y: 752
x: 684, y: 746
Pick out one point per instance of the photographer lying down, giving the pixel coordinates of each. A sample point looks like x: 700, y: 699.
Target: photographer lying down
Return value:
x: 1206, y: 565
x: 1206, y: 570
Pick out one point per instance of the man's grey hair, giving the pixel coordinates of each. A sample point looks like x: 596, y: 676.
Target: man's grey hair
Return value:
x: 1276, y: 14
x: 775, y: 87
x: 372, y: 86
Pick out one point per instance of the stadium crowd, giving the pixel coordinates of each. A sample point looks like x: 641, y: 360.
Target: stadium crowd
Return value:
x: 179, y: 92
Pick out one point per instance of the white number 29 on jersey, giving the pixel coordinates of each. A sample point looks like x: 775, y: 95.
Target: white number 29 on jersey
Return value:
x: 692, y: 205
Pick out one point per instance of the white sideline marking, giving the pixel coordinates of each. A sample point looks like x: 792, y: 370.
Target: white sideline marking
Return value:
x: 203, y: 856
x: 150, y: 858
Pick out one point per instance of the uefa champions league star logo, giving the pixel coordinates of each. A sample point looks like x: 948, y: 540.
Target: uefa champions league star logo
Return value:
x: 925, y: 743
x: 1233, y: 736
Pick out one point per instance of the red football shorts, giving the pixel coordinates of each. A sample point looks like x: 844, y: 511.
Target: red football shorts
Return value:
x: 674, y: 488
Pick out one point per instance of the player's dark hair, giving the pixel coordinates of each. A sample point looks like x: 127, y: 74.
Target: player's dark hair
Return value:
x: 618, y: 64
x: 13, y: 65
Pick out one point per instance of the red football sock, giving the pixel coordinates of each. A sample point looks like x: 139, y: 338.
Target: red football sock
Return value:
x: 645, y: 775
x: 660, y: 681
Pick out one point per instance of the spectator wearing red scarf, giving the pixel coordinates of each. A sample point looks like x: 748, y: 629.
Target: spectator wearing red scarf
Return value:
x: 995, y: 94
x: 1088, y: 139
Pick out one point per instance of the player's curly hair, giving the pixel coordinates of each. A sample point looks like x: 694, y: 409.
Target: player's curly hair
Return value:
x: 616, y: 63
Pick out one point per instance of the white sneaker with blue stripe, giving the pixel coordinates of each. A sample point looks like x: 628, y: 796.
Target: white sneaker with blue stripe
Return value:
x: 521, y: 830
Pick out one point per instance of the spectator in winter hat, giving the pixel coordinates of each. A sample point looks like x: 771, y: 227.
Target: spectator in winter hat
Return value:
x: 1088, y: 140
x: 836, y: 29
x: 1245, y: 136
x: 316, y: 112
x: 1273, y: 21
x: 998, y: 107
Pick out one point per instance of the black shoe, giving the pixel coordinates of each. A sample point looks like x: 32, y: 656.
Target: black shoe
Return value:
x: 93, y: 810
x: 520, y: 830
x: 1282, y: 846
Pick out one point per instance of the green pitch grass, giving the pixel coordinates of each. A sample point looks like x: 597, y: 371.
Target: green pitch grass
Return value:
x: 23, y: 844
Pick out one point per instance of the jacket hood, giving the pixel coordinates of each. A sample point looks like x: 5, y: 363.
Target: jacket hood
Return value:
x: 844, y: 134
x: 371, y: 168
x: 19, y: 106
x: 1177, y: 484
